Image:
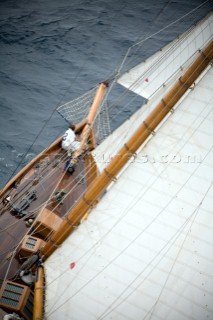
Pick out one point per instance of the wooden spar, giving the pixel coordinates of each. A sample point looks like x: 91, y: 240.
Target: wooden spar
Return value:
x: 38, y: 295
x: 138, y: 138
x: 90, y: 118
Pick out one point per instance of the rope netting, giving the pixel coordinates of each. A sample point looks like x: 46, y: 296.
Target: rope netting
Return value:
x: 76, y: 110
x: 102, y: 123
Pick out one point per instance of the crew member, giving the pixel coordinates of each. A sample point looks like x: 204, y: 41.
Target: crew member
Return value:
x: 69, y: 142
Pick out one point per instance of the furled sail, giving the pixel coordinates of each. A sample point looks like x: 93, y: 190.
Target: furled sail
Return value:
x: 146, y: 250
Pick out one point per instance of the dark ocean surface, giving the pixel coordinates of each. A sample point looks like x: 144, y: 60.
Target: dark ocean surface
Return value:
x: 51, y: 51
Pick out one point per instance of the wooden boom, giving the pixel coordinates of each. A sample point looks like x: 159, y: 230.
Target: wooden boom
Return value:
x: 142, y: 133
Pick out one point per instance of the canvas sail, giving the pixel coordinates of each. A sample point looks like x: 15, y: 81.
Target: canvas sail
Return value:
x: 145, y: 251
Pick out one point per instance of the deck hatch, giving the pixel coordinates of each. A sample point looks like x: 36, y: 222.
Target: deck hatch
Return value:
x: 15, y: 297
x: 30, y: 243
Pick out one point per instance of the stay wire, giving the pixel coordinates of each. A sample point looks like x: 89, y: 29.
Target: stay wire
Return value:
x: 122, y: 96
x: 139, y: 43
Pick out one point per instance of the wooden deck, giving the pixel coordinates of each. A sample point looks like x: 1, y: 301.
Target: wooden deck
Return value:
x: 45, y: 178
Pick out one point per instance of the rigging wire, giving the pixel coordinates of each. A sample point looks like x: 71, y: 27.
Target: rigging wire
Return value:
x: 136, y: 83
x: 110, y: 76
x: 159, y: 31
x: 147, y: 73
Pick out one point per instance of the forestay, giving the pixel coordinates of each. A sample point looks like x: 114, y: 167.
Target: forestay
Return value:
x: 149, y: 76
x: 146, y: 249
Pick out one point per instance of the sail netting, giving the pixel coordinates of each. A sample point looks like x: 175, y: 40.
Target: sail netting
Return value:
x: 102, y: 123
x: 76, y: 110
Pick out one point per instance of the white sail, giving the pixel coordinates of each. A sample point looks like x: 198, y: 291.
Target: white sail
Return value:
x: 145, y: 251
x: 147, y: 77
